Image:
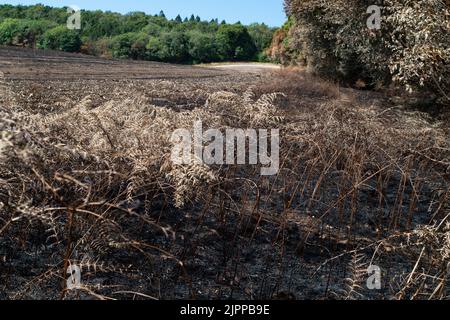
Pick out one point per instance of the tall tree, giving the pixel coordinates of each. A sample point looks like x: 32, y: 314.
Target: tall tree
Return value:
x: 235, y: 42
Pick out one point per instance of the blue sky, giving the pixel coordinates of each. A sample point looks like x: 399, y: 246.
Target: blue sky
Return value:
x: 247, y: 11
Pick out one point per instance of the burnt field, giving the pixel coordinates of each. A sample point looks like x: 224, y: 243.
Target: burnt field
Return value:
x: 43, y: 80
x: 86, y: 180
x: 29, y: 64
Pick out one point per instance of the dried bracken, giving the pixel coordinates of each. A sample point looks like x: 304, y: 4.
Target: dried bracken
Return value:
x: 90, y: 183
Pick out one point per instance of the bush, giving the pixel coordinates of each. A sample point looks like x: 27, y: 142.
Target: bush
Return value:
x: 263, y: 57
x: 61, y: 38
x: 121, y: 45
x: 138, y: 46
x: 261, y: 35
x: 100, y: 48
x: 130, y: 45
x: 9, y: 30
x: 153, y: 49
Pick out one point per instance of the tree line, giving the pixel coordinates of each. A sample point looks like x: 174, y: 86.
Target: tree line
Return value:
x: 135, y: 35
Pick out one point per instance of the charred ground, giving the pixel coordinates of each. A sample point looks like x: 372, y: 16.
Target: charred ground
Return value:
x: 86, y: 180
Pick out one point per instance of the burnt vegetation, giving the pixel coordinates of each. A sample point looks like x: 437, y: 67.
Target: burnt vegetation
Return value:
x: 86, y: 180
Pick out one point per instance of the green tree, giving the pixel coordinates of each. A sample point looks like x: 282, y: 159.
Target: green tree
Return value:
x: 174, y: 47
x: 261, y: 34
x: 133, y: 22
x: 152, y: 29
x: 235, y: 43
x: 61, y: 38
x: 121, y: 45
x: 98, y: 24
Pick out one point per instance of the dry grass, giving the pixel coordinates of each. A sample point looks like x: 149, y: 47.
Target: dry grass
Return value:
x: 92, y: 185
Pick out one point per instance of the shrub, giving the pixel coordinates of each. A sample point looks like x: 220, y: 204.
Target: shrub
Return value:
x: 138, y: 47
x: 61, y: 38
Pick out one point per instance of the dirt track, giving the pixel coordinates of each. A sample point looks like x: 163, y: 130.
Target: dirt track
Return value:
x: 245, y: 67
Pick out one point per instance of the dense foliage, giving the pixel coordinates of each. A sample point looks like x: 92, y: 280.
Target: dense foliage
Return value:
x: 332, y: 38
x: 135, y: 35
